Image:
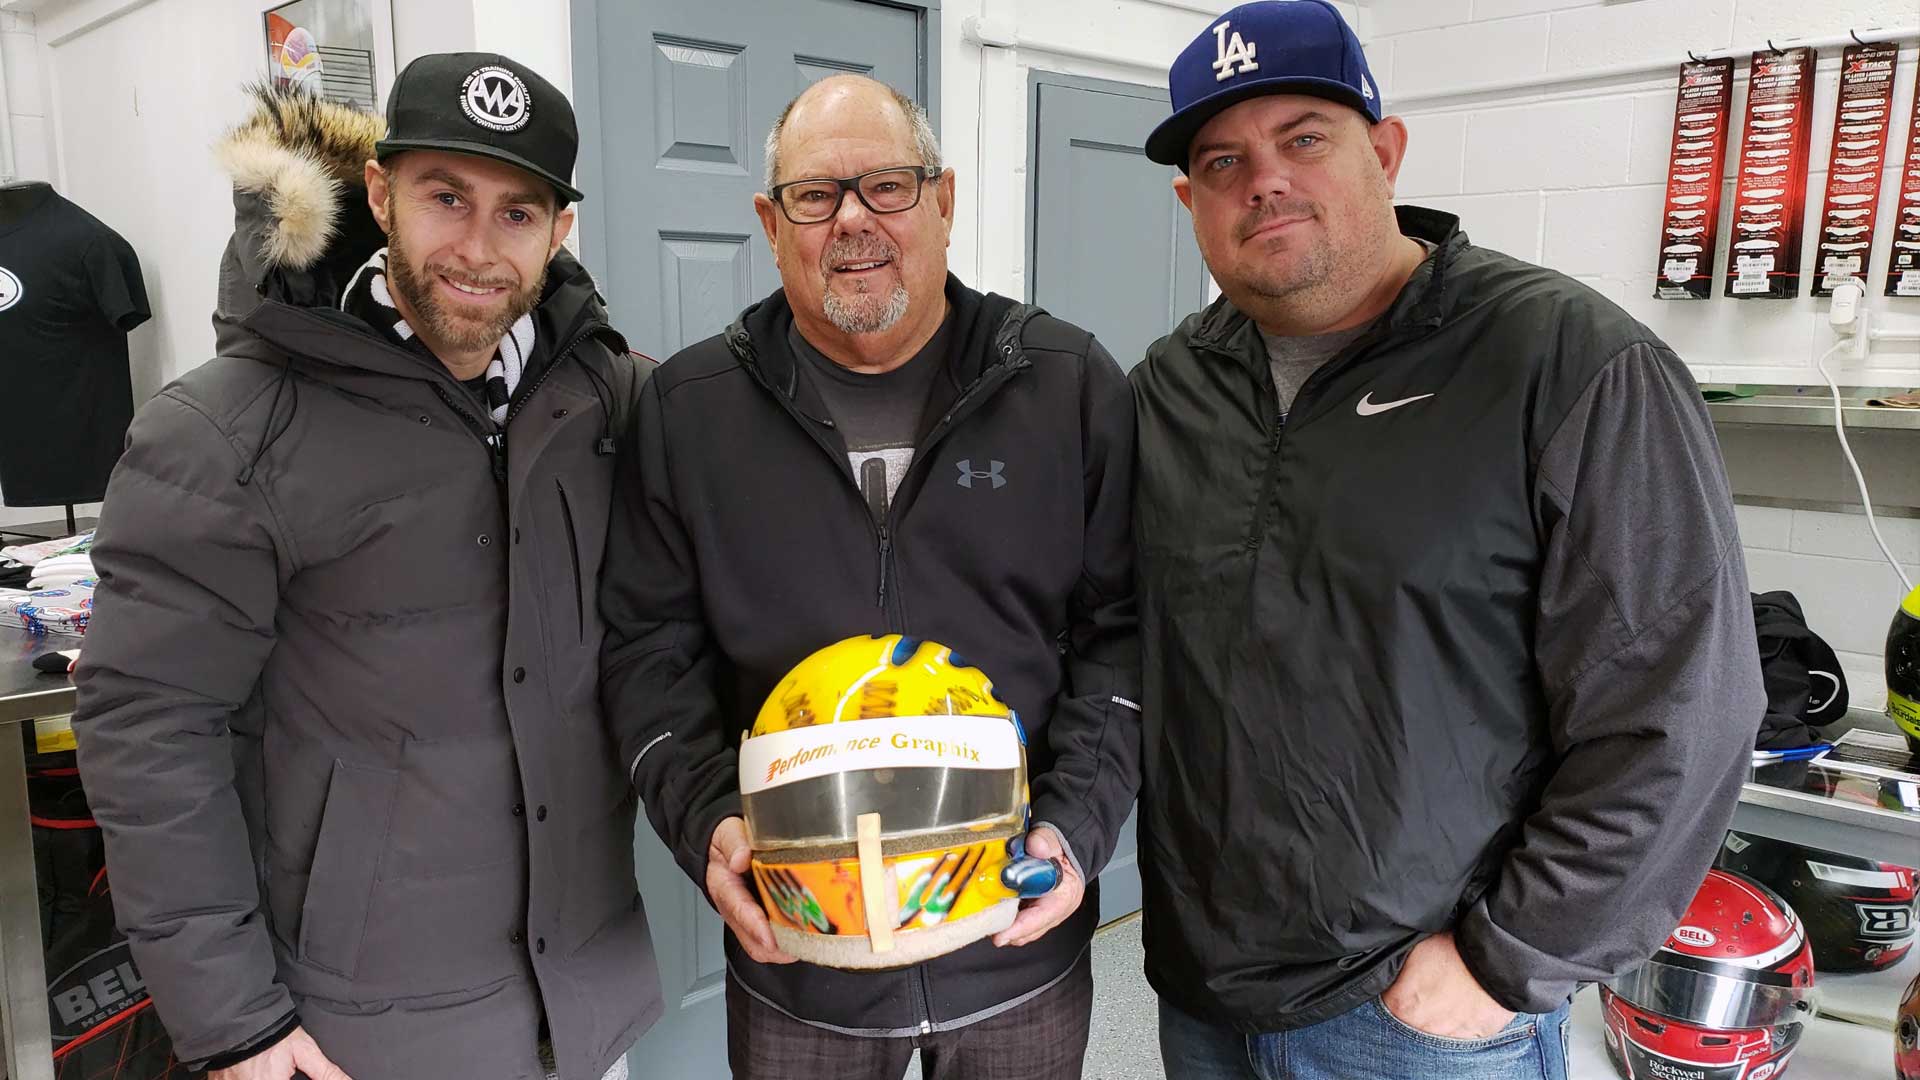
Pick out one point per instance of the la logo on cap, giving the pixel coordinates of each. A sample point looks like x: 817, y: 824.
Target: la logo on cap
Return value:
x: 495, y: 98
x: 1235, y: 57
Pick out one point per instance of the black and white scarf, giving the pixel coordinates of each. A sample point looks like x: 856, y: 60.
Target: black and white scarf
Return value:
x: 509, y: 360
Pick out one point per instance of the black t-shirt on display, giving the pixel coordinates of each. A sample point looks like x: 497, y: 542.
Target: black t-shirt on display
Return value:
x: 877, y: 415
x: 70, y: 289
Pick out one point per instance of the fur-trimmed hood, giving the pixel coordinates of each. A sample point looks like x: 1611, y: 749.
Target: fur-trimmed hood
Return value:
x: 301, y: 222
x: 302, y: 227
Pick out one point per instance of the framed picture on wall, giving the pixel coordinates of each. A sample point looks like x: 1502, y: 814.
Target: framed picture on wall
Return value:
x: 340, y: 50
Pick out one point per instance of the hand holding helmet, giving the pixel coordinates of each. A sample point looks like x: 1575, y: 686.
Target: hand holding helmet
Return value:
x: 1049, y: 888
x: 728, y: 857
x: 885, y: 792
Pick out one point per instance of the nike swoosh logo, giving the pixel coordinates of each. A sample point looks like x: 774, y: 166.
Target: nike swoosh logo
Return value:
x: 1366, y: 407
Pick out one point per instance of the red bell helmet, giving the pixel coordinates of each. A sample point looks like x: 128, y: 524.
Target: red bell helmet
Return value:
x: 1906, y: 1035
x: 1722, y: 999
x: 1858, y: 913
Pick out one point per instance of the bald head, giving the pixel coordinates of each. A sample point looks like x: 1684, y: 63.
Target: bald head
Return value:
x: 853, y: 105
x: 865, y: 266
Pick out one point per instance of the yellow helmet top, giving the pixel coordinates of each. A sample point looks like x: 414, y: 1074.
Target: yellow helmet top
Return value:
x: 869, y: 678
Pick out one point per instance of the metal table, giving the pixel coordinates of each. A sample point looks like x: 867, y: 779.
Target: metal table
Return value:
x: 25, y: 696
x: 1833, y: 824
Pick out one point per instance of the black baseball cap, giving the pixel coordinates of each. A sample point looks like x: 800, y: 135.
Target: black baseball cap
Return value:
x: 486, y: 105
x: 1266, y: 47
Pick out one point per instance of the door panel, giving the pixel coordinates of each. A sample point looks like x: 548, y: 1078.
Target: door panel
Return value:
x: 687, y: 92
x: 675, y: 99
x: 1112, y: 251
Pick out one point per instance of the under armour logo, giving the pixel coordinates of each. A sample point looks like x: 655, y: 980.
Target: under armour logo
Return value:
x: 968, y: 474
x: 1235, y: 57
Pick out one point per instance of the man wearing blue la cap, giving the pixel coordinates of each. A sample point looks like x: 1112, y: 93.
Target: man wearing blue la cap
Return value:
x: 1449, y: 662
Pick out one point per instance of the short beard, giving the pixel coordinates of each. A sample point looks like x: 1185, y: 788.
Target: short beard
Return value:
x: 1323, y: 277
x: 1314, y: 267
x: 865, y: 313
x: 464, y: 333
x: 866, y: 316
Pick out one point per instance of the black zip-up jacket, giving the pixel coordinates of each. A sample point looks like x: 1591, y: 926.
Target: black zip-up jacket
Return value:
x: 741, y: 544
x: 1463, y: 643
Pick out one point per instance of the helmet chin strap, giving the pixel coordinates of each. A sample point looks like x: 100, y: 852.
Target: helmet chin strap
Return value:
x: 878, y: 886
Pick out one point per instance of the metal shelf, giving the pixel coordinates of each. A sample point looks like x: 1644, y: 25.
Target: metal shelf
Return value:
x: 1871, y: 832
x: 1812, y: 406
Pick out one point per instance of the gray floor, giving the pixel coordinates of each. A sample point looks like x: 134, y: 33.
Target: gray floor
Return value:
x: 1124, y: 1043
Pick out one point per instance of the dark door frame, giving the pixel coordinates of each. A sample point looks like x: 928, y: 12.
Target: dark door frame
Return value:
x: 590, y: 170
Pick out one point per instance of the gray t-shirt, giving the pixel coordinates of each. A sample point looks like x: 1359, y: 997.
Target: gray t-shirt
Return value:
x: 1293, y: 360
x: 877, y: 415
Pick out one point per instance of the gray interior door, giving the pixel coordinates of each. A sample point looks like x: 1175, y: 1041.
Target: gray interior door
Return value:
x: 675, y: 98
x: 686, y: 92
x: 1112, y: 250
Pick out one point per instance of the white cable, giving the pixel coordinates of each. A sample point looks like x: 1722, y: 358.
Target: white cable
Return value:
x: 1866, y: 500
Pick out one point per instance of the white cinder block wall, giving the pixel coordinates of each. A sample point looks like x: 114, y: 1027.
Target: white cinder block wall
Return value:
x: 130, y: 140
x: 1571, y: 172
x: 25, y: 100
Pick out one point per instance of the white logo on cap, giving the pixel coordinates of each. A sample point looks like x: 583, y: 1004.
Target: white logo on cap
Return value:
x: 1366, y: 87
x: 495, y: 98
x: 10, y: 289
x: 1236, y: 56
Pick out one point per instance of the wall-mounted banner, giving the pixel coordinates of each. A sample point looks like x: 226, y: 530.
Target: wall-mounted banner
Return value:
x: 1903, y: 273
x: 1694, y: 169
x: 1853, y: 170
x: 1770, y: 193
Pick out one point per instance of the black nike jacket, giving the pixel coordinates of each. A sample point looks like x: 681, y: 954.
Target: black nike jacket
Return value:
x: 1465, y: 643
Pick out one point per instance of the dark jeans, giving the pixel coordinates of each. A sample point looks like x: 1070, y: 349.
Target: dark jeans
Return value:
x: 1041, y: 1039
x: 1368, y: 1043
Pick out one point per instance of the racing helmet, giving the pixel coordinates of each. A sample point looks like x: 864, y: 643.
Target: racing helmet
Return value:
x: 1903, y: 670
x: 884, y: 787
x: 1906, y: 1035
x: 1724, y: 996
x: 1858, y: 913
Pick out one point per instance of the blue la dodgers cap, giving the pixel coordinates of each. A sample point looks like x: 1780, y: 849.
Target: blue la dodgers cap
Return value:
x: 1267, y: 47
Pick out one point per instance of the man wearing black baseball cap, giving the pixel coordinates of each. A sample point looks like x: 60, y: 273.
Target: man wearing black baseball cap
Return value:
x: 1449, y: 664
x: 339, y: 721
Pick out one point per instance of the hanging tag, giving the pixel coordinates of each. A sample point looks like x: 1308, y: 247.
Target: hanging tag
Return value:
x: 1688, y: 232
x: 1903, y: 272
x: 1770, y: 189
x: 1853, y: 169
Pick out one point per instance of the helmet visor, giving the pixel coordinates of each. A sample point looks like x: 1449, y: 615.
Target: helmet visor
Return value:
x: 1693, y: 996
x: 957, y: 777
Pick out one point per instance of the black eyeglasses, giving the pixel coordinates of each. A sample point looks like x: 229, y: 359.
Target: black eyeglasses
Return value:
x: 883, y: 191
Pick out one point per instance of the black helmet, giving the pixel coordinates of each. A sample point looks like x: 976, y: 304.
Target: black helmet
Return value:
x: 1859, y: 913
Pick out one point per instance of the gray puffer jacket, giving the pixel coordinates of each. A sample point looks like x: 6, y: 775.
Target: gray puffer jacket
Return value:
x: 338, y: 712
